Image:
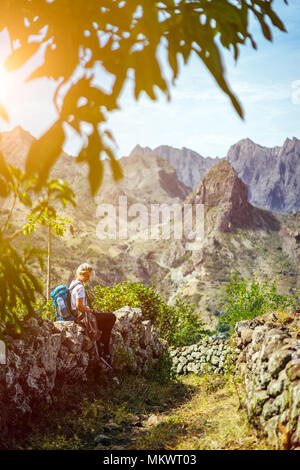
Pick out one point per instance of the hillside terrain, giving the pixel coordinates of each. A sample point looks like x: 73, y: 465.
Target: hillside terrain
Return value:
x: 238, y: 235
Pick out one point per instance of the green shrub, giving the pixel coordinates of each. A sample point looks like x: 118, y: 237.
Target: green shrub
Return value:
x: 179, y: 324
x: 246, y: 299
x: 46, y: 309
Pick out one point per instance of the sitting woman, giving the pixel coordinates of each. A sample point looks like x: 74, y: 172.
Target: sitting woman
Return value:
x: 105, y: 320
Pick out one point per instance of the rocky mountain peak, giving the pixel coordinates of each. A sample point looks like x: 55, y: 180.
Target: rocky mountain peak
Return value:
x: 225, y: 199
x: 139, y: 150
x: 291, y: 143
x: 221, y: 185
x: 190, y: 166
x: 271, y: 174
x: 15, y: 145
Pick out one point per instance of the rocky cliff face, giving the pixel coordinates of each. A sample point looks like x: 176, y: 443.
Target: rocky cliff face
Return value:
x: 147, y: 179
x: 15, y: 145
x: 237, y: 236
x: 271, y: 174
x: 225, y: 199
x: 190, y: 166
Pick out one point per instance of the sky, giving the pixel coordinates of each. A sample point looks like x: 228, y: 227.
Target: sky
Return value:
x: 199, y: 115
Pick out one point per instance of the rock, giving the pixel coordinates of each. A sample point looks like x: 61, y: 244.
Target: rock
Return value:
x: 265, y: 378
x: 277, y: 361
x: 294, y: 370
x: 153, y: 420
x: 276, y: 387
x: 242, y: 325
x: 246, y: 335
x: 215, y: 360
x: 100, y: 447
x: 257, y: 337
x: 271, y: 344
x: 111, y: 426
x: 279, y: 191
x: 116, y: 380
x: 102, y: 439
x: 270, y: 409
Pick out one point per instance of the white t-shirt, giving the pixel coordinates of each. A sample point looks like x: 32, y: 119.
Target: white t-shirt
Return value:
x: 77, y: 293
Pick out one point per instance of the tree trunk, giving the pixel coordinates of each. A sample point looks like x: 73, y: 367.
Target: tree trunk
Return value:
x: 49, y: 263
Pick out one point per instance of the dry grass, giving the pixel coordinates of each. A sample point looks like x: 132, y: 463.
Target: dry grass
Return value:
x: 210, y: 420
x: 192, y: 413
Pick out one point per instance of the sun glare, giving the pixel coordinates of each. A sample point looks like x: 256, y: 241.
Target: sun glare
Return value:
x: 4, y: 84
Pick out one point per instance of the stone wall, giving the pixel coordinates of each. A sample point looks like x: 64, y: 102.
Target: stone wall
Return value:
x: 207, y: 356
x: 267, y: 355
x: 50, y: 354
x: 269, y: 364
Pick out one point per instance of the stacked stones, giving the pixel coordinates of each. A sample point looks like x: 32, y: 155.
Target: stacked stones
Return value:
x: 210, y: 355
x: 269, y: 363
x: 50, y: 354
x: 136, y: 345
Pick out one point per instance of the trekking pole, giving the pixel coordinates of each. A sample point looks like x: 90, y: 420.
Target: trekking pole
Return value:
x: 96, y: 348
x: 102, y: 358
x: 292, y: 318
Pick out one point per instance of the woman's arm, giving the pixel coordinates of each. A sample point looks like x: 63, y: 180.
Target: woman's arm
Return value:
x: 81, y: 307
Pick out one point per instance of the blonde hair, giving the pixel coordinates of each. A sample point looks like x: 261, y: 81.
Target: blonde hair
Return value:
x: 84, y: 268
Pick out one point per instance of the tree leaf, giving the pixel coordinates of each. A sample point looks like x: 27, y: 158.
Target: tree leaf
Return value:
x: 21, y: 55
x: 45, y: 151
x: 3, y: 113
x: 3, y: 187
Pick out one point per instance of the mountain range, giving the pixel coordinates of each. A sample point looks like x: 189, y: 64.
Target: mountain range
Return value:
x: 271, y: 174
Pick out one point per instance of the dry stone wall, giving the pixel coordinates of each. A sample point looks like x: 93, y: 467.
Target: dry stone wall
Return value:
x: 269, y: 363
x: 209, y: 355
x: 50, y: 354
x: 267, y: 356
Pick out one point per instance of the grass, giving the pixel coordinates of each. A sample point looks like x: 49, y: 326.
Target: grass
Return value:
x: 209, y: 420
x: 189, y: 413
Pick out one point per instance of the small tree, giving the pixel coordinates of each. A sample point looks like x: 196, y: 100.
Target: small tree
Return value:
x: 44, y: 214
x: 18, y: 285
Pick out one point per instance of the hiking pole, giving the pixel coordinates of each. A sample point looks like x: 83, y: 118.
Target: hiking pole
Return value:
x: 292, y: 318
x: 102, y: 358
x: 96, y: 348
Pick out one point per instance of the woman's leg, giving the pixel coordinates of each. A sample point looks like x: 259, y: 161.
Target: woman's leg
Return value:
x: 105, y: 322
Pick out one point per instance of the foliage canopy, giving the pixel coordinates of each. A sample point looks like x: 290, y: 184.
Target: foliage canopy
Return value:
x: 135, y: 39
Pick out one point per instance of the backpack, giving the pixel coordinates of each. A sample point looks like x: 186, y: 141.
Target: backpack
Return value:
x: 88, y: 322
x: 61, y: 298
